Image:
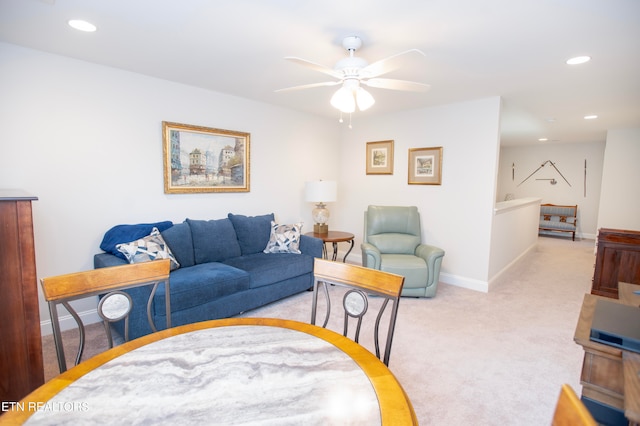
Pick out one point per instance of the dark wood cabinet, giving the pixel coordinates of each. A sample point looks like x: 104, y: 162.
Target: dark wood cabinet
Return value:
x: 617, y: 260
x: 21, y: 369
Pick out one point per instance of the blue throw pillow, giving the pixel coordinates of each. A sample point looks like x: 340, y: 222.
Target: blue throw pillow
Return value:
x: 253, y: 231
x: 213, y: 240
x: 120, y: 234
x: 178, y: 238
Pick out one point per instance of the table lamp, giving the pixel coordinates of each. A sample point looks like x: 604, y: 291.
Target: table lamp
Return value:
x: 320, y: 192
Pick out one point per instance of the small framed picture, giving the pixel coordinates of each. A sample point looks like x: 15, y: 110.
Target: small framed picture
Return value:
x: 425, y: 166
x: 380, y: 158
x: 204, y: 159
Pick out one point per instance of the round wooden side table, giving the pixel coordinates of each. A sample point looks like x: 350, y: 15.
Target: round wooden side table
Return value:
x: 334, y: 237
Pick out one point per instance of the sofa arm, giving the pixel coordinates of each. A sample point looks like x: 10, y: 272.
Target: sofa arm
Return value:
x: 371, y: 257
x: 311, y: 246
x: 433, y: 256
x: 103, y: 260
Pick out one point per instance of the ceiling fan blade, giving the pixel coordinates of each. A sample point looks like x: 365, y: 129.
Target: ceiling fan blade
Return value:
x: 385, y: 65
x: 314, y: 66
x: 309, y: 86
x: 388, y: 83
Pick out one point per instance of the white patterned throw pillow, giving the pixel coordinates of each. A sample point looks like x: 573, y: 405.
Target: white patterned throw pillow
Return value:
x: 284, y: 238
x: 146, y: 249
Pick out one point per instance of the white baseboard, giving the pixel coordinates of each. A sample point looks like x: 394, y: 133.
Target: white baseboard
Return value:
x: 464, y: 282
x: 586, y: 236
x: 508, y: 266
x: 67, y: 322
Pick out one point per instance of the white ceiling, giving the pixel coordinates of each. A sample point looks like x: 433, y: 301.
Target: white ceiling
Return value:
x: 474, y: 49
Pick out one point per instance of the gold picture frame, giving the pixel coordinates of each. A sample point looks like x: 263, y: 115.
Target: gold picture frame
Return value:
x: 380, y: 158
x: 203, y: 159
x: 425, y: 166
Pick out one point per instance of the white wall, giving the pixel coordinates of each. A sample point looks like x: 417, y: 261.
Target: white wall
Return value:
x: 570, y: 161
x: 456, y: 215
x: 87, y: 141
x: 515, y: 233
x: 620, y: 197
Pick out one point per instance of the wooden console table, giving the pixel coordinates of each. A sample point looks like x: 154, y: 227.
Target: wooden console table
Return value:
x: 609, y: 374
x: 617, y: 260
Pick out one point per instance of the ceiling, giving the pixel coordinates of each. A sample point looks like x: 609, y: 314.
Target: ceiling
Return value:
x: 473, y: 49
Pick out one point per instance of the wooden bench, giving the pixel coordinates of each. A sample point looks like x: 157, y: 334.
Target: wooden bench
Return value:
x: 556, y: 218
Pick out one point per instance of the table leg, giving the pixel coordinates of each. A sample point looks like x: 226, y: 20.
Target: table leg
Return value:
x: 348, y: 251
x: 335, y: 251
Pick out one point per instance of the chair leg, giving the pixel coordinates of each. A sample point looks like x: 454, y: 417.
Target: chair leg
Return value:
x: 57, y: 337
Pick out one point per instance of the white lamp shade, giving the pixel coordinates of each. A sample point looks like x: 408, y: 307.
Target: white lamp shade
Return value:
x: 321, y: 191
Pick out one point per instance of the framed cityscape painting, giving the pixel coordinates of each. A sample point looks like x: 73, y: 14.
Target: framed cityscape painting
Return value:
x: 380, y: 158
x: 425, y: 166
x: 203, y: 159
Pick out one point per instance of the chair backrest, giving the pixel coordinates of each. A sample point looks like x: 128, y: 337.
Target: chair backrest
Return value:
x: 570, y: 411
x: 392, y: 229
x: 361, y: 284
x: 62, y: 289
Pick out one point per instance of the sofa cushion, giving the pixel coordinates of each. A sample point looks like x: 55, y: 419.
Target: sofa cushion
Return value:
x: 200, y: 284
x: 284, y: 238
x: 179, y: 240
x: 270, y: 268
x: 557, y: 225
x: 125, y: 233
x: 147, y: 249
x: 253, y: 231
x: 213, y: 240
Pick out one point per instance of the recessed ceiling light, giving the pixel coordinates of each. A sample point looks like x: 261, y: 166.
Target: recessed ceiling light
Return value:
x: 543, y: 139
x: 81, y: 25
x: 578, y: 60
x: 590, y: 117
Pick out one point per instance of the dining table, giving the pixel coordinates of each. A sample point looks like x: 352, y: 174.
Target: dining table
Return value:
x: 259, y: 371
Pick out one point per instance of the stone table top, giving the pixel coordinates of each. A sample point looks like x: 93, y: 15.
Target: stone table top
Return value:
x: 240, y: 373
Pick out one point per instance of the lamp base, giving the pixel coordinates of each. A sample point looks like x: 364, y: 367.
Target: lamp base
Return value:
x: 320, y: 228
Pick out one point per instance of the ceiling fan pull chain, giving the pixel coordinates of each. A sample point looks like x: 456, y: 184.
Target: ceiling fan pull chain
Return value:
x: 350, y: 121
x: 341, y: 120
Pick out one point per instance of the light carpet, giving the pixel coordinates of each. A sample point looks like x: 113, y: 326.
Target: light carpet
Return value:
x: 466, y: 357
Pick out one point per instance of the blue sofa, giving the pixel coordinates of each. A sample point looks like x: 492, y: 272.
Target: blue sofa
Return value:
x: 222, y: 271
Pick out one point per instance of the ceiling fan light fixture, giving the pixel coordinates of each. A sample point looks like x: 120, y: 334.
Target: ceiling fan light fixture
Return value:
x: 343, y: 100
x: 364, y: 99
x: 352, y: 72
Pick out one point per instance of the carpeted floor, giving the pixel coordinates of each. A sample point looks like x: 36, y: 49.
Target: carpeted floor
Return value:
x: 466, y: 357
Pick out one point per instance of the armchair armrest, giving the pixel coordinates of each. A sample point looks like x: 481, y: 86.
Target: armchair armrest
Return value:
x: 370, y: 256
x: 433, y: 256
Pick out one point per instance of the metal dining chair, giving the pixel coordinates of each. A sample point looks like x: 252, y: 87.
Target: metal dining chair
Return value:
x: 363, y: 285
x: 114, y: 306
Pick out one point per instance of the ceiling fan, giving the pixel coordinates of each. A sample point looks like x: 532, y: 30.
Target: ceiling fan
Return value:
x: 353, y: 72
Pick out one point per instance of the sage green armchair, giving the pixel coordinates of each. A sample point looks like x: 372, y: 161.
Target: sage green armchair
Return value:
x: 392, y: 243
